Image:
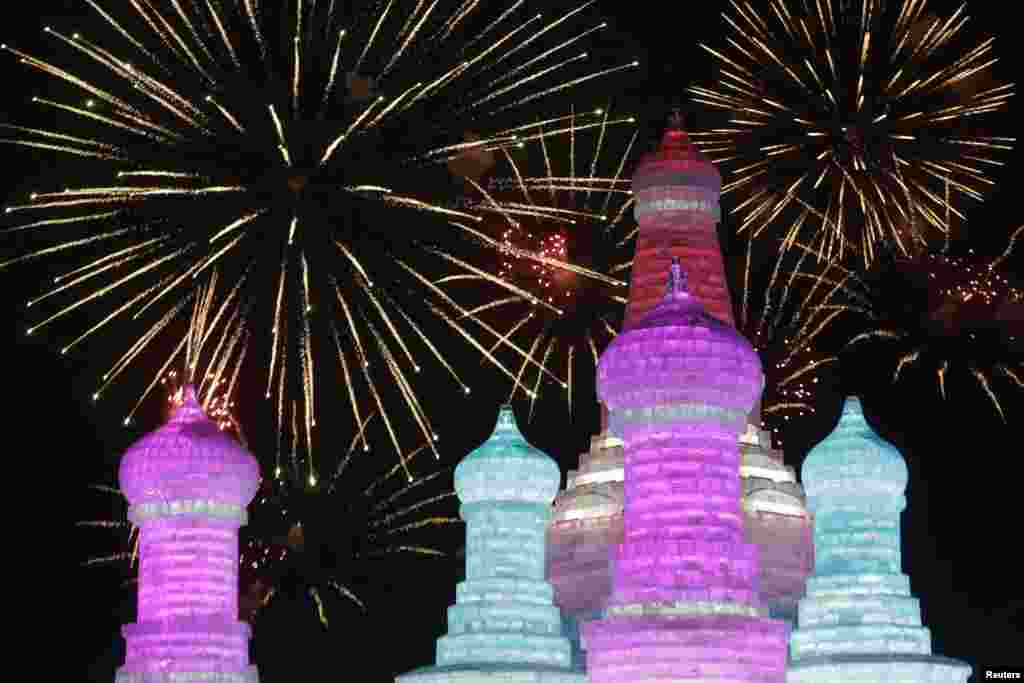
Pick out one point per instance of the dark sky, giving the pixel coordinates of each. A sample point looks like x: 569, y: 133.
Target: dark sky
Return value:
x: 960, y: 532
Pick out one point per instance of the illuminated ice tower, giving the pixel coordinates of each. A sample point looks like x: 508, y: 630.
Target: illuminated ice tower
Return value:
x: 586, y: 525
x: 188, y: 484
x: 676, y: 189
x: 504, y: 625
x: 859, y: 623
x: 684, y: 605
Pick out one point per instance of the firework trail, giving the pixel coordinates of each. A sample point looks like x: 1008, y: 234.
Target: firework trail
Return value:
x: 562, y: 222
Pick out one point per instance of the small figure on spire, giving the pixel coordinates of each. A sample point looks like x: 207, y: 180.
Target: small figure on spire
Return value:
x: 675, y: 120
x: 677, y: 279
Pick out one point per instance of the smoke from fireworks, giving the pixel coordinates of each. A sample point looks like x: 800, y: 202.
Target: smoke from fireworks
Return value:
x: 286, y: 159
x: 853, y: 125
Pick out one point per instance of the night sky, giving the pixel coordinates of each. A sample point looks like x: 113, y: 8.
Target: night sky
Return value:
x: 961, y: 531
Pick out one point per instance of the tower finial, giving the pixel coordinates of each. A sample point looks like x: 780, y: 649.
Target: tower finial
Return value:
x: 677, y: 280
x: 506, y: 417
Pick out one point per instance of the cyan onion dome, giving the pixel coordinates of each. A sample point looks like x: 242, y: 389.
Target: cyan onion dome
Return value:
x: 677, y: 162
x: 679, y: 354
x: 853, y: 462
x: 189, y: 459
x: 507, y: 468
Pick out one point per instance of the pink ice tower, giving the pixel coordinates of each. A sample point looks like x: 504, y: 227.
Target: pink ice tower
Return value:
x: 684, y: 605
x: 188, y: 485
x: 676, y: 190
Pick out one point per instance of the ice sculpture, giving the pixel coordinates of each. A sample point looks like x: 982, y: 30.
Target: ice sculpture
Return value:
x: 586, y: 525
x: 684, y: 603
x: 859, y: 621
x: 676, y: 190
x: 188, y: 484
x: 504, y: 625
x: 677, y: 207
x: 777, y: 522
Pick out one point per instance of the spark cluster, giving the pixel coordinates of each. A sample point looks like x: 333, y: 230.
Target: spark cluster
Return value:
x: 545, y: 278
x: 854, y: 126
x: 286, y: 163
x: 218, y: 405
x: 968, y: 282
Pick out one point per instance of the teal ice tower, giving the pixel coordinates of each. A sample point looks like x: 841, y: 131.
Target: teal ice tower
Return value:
x: 504, y: 625
x: 859, y: 621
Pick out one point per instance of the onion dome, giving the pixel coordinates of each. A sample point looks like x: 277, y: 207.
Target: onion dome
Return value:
x: 676, y: 163
x: 188, y: 459
x: 853, y: 462
x: 507, y: 468
x: 680, y: 354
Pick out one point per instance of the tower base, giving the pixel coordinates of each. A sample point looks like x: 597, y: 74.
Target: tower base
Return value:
x: 250, y: 675
x: 879, y: 668
x: 723, y: 648
x: 491, y: 673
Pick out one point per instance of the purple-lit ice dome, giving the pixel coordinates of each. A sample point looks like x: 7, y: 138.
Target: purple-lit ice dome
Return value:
x: 853, y: 461
x: 679, y: 358
x: 507, y: 468
x: 188, y: 459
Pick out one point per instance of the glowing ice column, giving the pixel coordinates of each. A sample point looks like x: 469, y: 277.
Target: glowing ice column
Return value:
x: 685, y: 603
x: 188, y: 485
x: 587, y: 523
x: 777, y: 522
x: 859, y: 621
x: 504, y: 625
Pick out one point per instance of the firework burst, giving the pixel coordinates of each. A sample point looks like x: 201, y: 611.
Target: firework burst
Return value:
x: 285, y: 159
x: 955, y: 317
x: 852, y: 123
x: 562, y: 221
